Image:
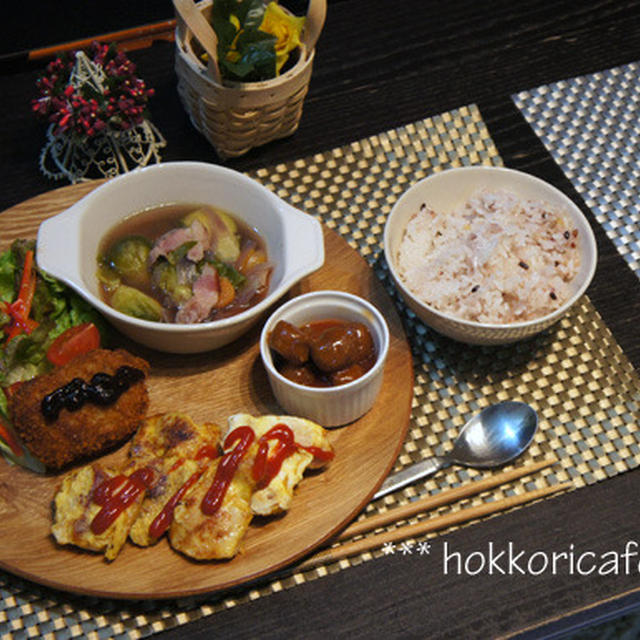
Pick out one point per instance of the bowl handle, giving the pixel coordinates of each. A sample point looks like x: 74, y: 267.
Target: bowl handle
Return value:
x: 58, y: 246
x: 303, y: 242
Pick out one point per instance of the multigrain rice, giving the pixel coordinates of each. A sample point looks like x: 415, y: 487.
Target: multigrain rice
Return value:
x: 498, y: 259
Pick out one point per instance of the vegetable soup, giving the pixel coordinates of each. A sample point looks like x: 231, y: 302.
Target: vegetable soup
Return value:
x: 183, y: 263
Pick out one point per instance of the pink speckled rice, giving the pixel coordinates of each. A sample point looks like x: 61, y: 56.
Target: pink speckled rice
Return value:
x: 498, y: 259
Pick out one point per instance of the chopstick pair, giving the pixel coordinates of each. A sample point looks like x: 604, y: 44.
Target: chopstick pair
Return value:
x: 436, y: 523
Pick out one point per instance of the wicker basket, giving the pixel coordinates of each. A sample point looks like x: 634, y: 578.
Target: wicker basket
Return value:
x: 235, y: 117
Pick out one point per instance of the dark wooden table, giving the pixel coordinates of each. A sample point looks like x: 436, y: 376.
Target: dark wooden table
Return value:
x: 379, y: 65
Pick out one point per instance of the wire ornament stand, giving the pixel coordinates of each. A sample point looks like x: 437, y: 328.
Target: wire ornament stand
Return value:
x: 106, y: 154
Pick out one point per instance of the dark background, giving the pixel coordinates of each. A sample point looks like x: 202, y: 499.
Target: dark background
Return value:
x: 381, y: 64
x: 31, y: 25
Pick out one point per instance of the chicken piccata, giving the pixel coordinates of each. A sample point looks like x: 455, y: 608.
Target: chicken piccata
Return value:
x: 197, y: 484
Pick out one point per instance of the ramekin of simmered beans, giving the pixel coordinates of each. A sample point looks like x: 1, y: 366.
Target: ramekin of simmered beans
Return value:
x: 322, y: 353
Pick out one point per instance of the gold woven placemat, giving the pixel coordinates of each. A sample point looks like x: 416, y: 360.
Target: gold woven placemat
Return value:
x: 575, y: 375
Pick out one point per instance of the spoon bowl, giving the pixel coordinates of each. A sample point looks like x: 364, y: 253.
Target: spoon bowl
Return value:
x: 495, y: 436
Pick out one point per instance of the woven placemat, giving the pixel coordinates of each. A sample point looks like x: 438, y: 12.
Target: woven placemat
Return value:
x: 591, y: 127
x: 575, y: 375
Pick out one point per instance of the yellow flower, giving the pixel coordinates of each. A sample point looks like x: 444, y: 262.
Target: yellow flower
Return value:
x: 285, y: 27
x: 233, y: 55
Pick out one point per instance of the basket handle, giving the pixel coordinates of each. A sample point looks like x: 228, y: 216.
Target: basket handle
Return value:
x: 316, y: 14
x: 202, y: 30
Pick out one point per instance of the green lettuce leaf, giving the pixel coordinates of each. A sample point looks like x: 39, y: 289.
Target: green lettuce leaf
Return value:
x: 8, y: 268
x: 26, y: 459
x: 55, y: 307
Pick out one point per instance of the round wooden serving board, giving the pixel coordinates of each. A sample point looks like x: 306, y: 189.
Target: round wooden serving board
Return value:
x: 212, y: 386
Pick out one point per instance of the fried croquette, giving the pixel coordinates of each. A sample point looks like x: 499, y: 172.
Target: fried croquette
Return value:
x: 90, y: 430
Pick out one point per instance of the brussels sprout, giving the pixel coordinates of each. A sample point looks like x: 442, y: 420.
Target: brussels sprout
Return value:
x: 128, y: 258
x: 229, y: 222
x: 165, y: 277
x: 108, y: 277
x: 226, y: 243
x: 221, y: 227
x: 135, y: 303
x: 202, y: 217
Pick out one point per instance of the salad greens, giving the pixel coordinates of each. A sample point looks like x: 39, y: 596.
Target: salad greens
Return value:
x: 55, y: 308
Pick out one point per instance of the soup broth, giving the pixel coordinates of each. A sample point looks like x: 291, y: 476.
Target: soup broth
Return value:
x: 184, y: 263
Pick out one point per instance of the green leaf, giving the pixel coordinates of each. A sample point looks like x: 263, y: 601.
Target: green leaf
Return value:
x: 8, y: 268
x: 254, y: 14
x: 226, y: 33
x: 177, y: 254
x: 11, y: 262
x: 228, y: 271
x: 255, y: 57
x: 55, y: 307
x: 24, y: 358
x: 26, y: 459
x: 4, y: 404
x: 258, y: 39
x: 220, y: 21
x: 258, y: 60
x: 222, y: 9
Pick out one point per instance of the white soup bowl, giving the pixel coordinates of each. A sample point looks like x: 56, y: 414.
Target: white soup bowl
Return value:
x: 68, y: 244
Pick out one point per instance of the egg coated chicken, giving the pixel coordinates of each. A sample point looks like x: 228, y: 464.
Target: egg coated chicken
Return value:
x: 189, y: 483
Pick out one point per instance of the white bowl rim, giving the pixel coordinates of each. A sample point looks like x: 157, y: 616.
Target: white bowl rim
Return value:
x: 533, y: 322
x: 338, y: 296
x: 172, y: 327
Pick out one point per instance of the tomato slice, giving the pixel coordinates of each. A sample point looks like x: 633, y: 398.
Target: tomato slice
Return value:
x: 7, y: 436
x: 74, y: 342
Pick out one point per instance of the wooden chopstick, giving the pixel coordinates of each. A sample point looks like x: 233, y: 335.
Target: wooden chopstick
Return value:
x: 445, y: 497
x: 127, y: 40
x: 426, y: 526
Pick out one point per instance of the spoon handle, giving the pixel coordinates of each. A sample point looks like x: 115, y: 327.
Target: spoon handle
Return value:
x: 409, y: 475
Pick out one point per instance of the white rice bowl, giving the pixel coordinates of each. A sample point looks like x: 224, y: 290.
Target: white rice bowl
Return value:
x: 445, y: 271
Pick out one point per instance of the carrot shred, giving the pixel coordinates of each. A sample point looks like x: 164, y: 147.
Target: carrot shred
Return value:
x: 227, y: 292
x: 28, y: 283
x: 20, y: 308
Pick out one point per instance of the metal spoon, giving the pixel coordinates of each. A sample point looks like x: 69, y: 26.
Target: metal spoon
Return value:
x: 498, y: 434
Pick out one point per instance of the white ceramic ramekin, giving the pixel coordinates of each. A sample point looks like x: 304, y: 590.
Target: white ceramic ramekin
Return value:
x: 328, y: 406
x: 68, y: 244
